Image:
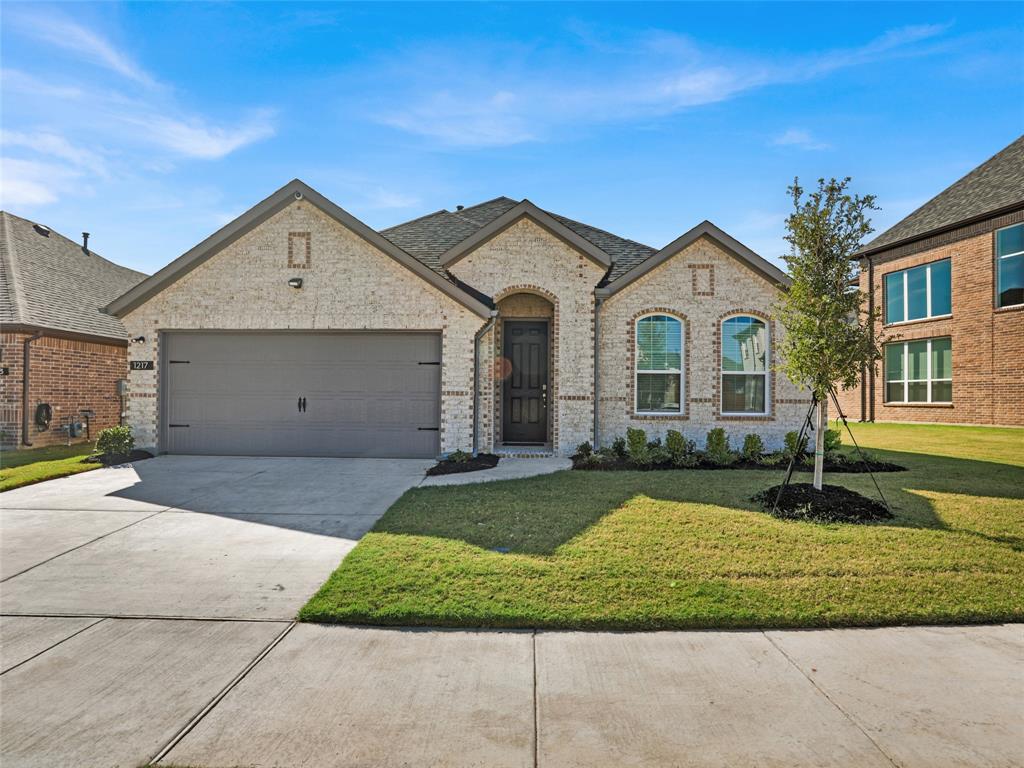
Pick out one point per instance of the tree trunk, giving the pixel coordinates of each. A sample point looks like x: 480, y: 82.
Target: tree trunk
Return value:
x: 819, y: 441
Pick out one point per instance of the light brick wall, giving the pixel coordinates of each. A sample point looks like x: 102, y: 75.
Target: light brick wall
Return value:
x: 526, y: 258
x: 988, y: 346
x: 701, y: 285
x: 348, y: 285
x: 71, y: 375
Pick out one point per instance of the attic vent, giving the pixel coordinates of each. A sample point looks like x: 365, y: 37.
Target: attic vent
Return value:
x: 459, y: 207
x: 41, y: 229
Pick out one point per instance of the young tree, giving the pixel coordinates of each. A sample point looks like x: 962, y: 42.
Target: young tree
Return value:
x: 829, y: 337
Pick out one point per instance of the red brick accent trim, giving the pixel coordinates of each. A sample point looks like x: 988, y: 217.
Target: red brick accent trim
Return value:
x: 300, y: 250
x: 695, y: 280
x: 553, y: 377
x: 754, y: 419
x: 631, y: 366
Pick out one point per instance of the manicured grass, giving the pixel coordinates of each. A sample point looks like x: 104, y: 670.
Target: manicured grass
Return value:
x: 18, y: 468
x: 654, y: 550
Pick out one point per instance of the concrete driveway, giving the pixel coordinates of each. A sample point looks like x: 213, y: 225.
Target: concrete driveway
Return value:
x: 147, y: 618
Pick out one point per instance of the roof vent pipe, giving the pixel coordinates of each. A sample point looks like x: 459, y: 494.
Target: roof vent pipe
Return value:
x: 85, y: 242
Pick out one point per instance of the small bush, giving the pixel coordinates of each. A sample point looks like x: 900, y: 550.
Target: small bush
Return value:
x: 115, y: 440
x: 606, y: 452
x: 636, y: 442
x: 583, y: 450
x: 794, y: 447
x: 655, y: 443
x: 619, y: 447
x: 459, y: 457
x: 753, y: 447
x: 833, y: 441
x: 775, y: 459
x: 659, y: 455
x: 675, y: 443
x: 716, y: 447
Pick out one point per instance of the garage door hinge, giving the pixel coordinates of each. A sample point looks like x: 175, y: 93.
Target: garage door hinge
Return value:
x: 422, y: 363
x: 428, y: 429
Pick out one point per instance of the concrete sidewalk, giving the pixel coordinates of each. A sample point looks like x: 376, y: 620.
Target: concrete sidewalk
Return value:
x: 210, y: 693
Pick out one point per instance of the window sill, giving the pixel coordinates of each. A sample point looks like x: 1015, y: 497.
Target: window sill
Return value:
x: 1011, y: 308
x: 744, y: 415
x: 917, y: 405
x: 901, y: 323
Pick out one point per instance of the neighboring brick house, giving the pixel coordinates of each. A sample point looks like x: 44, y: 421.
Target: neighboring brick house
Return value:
x: 52, y: 291
x: 949, y: 281
x: 298, y: 330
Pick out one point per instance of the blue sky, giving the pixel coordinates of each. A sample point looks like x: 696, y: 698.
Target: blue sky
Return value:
x: 152, y: 125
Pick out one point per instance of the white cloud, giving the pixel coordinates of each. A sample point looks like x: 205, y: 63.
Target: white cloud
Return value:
x: 33, y: 183
x: 379, y: 198
x: 54, y: 145
x: 508, y: 96
x: 61, y: 32
x: 800, y: 138
x: 195, y: 137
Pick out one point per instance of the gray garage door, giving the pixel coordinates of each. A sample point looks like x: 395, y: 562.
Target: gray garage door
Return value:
x: 302, y: 394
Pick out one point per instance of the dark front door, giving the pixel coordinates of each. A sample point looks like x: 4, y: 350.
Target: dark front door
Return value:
x: 525, y: 398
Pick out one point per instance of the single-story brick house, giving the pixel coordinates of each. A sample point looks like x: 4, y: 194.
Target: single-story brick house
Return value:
x: 949, y: 281
x: 61, y: 356
x: 298, y: 330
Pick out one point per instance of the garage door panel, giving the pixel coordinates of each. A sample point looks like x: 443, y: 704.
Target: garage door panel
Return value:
x: 366, y: 394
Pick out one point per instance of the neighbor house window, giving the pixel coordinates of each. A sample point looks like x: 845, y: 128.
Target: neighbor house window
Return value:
x: 1010, y: 266
x: 659, y: 364
x: 744, y: 366
x: 914, y: 294
x: 919, y: 371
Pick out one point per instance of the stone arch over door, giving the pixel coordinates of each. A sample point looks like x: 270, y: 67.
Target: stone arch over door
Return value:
x: 526, y: 302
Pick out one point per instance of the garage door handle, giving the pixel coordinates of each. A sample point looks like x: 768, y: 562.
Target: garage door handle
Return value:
x: 302, y: 405
x: 428, y: 429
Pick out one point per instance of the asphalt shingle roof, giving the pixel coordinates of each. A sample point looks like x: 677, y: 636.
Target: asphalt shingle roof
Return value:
x: 428, y: 237
x: 49, y: 281
x: 996, y: 184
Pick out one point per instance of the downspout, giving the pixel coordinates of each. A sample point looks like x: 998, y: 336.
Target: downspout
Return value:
x: 476, y: 376
x: 25, y: 365
x: 871, y: 317
x: 598, y: 301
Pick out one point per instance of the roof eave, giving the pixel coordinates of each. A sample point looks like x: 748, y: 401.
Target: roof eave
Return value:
x: 525, y: 209
x: 290, y: 192
x: 724, y: 240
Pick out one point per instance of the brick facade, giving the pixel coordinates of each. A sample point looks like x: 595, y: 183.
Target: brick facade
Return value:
x: 71, y: 375
x: 987, y: 343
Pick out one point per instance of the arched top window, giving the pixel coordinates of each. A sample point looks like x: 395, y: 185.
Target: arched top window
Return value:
x: 745, y: 364
x: 659, y: 364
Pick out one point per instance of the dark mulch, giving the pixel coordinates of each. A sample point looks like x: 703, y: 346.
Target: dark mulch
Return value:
x: 835, y: 464
x: 478, y: 462
x: 110, y: 459
x: 832, y: 504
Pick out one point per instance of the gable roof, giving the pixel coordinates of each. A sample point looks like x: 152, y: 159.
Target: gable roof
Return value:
x: 48, y: 281
x: 289, y: 193
x: 994, y: 187
x: 731, y: 245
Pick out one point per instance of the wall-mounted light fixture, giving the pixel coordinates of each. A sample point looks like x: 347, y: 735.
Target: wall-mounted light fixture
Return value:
x: 139, y: 340
x: 295, y: 282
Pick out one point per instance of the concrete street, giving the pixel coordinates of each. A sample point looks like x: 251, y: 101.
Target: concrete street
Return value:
x: 147, y: 614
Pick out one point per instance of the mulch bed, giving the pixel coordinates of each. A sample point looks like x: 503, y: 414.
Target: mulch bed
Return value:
x: 110, y: 459
x: 840, y: 464
x: 476, y: 463
x: 832, y: 504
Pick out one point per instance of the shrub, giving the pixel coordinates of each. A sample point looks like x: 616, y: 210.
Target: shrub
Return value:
x: 792, y: 449
x: 833, y: 441
x: 636, y: 442
x: 115, y: 440
x: 619, y: 447
x: 675, y: 443
x: 658, y: 455
x: 753, y: 447
x: 583, y: 450
x: 459, y: 457
x: 716, y: 447
x: 772, y: 459
x: 606, y: 452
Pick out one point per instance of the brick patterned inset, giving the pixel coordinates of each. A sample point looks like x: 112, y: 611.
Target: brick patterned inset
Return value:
x: 702, y: 279
x: 300, y: 250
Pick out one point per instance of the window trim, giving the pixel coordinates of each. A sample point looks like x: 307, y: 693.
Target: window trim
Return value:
x: 906, y: 293
x: 906, y: 381
x: 767, y: 368
x: 678, y: 371
x: 996, y: 259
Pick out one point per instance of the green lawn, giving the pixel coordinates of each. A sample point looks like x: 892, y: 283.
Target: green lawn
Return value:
x: 18, y: 468
x: 634, y: 550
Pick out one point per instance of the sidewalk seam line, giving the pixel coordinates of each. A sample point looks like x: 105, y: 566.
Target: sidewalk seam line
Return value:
x: 536, y: 707
x: 220, y: 695
x: 831, y: 701
x: 51, y: 647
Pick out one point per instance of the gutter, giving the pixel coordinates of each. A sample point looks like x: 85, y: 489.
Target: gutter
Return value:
x: 870, y: 415
x: 25, y: 368
x: 476, y: 375
x: 598, y: 301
